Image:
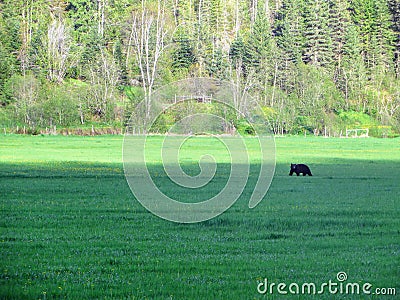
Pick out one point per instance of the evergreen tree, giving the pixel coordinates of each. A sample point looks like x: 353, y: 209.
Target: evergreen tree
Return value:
x: 237, y: 50
x: 183, y: 55
x: 384, y: 35
x: 258, y: 46
x: 8, y: 60
x: 394, y: 7
x: 289, y: 30
x: 339, y: 21
x: 217, y: 65
x: 286, y: 53
x: 352, y: 76
x: 377, y: 38
x: 84, y: 33
x: 318, y: 49
x: 260, y: 60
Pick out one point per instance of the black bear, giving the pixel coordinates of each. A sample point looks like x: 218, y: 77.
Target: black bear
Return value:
x: 299, y: 168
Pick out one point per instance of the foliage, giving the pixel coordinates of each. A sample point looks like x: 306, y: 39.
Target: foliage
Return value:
x: 356, y: 119
x: 299, y: 57
x: 244, y: 127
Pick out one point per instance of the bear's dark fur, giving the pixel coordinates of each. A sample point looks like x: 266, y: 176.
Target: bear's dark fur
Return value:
x: 299, y: 168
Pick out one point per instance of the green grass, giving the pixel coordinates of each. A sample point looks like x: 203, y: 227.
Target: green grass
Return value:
x: 70, y: 227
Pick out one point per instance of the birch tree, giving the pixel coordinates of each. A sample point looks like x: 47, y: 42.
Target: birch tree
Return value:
x: 241, y: 77
x: 57, y: 43
x: 26, y: 27
x: 103, y: 76
x: 148, y: 33
x: 101, y: 6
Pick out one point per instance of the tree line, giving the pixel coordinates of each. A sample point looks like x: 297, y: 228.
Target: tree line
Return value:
x: 313, y: 65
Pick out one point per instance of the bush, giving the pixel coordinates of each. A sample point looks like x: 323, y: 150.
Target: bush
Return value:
x: 301, y: 124
x: 244, y: 127
x: 6, y: 117
x: 383, y: 132
x: 356, y: 119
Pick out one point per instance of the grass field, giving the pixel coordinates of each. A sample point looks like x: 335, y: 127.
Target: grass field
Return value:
x: 71, y: 228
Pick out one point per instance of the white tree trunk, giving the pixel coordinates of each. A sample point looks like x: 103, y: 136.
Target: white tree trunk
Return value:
x: 147, y: 35
x: 57, y: 43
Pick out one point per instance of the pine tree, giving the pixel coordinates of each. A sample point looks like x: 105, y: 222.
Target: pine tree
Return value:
x: 80, y: 13
x: 318, y: 46
x: 384, y: 35
x: 394, y: 7
x: 258, y: 46
x: 377, y: 37
x: 237, y: 50
x: 339, y: 21
x: 217, y: 65
x: 259, y: 59
x: 352, y: 76
x: 183, y: 56
x: 8, y: 60
x: 289, y: 30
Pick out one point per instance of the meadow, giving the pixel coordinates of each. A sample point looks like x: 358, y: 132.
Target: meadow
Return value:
x: 71, y: 228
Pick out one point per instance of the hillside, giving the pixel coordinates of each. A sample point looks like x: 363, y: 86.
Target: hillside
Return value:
x: 314, y: 66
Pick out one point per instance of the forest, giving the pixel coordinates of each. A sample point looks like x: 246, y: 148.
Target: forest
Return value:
x: 314, y: 66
